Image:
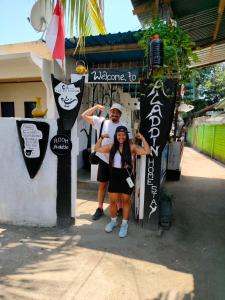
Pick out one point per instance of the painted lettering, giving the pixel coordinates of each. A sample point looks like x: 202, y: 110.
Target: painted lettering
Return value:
x: 154, y: 132
x: 155, y: 150
x: 155, y: 121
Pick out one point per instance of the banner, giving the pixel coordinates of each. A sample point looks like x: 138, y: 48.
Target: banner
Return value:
x: 68, y: 99
x: 157, y: 104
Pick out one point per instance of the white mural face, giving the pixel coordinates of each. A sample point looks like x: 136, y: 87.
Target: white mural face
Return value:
x: 31, y: 136
x: 68, y: 95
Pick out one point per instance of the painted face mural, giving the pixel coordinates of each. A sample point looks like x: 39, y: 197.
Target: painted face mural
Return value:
x: 68, y: 99
x: 68, y: 95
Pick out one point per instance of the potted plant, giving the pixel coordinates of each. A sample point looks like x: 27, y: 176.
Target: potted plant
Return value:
x: 178, y: 49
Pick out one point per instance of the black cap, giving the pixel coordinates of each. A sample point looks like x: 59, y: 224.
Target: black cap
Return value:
x: 121, y: 129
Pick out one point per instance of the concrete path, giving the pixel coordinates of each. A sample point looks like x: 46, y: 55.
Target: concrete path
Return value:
x: 83, y: 262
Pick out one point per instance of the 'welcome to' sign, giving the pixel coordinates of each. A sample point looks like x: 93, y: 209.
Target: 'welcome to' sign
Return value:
x: 113, y: 75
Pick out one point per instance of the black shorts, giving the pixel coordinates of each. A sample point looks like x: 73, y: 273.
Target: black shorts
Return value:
x: 117, y: 181
x: 103, y: 171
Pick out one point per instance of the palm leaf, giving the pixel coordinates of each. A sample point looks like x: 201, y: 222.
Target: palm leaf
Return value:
x: 84, y: 17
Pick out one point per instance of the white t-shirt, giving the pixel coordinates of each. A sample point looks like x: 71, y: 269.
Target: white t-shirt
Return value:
x: 109, y: 127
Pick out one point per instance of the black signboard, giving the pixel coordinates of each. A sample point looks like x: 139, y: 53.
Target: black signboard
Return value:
x: 61, y: 144
x: 157, y: 105
x: 33, y: 137
x: 68, y: 100
x: 113, y: 75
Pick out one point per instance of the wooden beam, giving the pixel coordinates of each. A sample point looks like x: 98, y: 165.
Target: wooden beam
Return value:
x: 150, y: 9
x: 143, y: 8
x: 108, y: 48
x: 219, y: 19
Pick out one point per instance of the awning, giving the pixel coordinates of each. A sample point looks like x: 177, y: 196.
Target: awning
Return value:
x: 109, y: 49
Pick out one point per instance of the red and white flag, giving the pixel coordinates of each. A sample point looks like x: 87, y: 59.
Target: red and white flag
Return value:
x: 55, y: 34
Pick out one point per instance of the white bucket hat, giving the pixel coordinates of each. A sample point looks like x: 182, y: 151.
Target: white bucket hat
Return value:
x: 116, y: 106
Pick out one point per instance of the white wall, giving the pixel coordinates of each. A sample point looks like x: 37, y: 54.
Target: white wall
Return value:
x: 23, y: 200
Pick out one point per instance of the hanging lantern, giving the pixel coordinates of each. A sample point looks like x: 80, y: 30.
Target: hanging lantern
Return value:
x: 80, y: 67
x: 155, y: 52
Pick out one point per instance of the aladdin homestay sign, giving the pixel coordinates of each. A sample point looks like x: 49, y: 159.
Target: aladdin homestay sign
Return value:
x: 113, y: 75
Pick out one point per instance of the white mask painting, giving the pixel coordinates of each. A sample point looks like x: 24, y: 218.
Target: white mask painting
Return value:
x: 68, y: 95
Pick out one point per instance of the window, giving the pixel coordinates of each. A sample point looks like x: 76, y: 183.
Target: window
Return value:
x: 8, y: 109
x: 28, y: 107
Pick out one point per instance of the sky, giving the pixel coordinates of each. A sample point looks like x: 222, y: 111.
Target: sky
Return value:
x: 15, y: 28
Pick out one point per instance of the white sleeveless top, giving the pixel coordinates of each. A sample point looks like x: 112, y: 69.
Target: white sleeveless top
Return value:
x: 117, y: 160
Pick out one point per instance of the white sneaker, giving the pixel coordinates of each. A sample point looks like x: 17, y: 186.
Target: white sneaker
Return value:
x: 123, y: 230
x: 110, y: 226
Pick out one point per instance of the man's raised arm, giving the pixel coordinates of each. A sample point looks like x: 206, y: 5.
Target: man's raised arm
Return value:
x: 87, y: 115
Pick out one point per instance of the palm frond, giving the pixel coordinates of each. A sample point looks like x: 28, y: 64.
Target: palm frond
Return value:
x: 84, y: 17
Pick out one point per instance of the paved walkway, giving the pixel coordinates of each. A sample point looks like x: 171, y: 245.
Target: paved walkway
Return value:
x: 83, y: 262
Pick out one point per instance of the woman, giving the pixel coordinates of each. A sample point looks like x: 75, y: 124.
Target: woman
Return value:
x: 121, y: 180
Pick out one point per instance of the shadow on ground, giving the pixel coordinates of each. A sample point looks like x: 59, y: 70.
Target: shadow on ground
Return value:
x: 194, y: 245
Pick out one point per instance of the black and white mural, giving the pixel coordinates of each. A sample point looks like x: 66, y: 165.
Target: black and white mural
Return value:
x: 68, y: 100
x: 61, y: 144
x: 157, y: 103
x: 33, y: 137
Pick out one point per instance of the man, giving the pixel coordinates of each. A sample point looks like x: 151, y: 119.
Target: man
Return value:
x: 109, y: 127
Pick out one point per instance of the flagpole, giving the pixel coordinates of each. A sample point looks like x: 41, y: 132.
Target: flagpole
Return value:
x: 64, y: 69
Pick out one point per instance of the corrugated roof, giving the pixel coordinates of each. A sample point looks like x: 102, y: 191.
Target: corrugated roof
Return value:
x: 198, y: 18
x: 200, y: 26
x: 210, y: 55
x: 109, y: 48
x: 110, y: 39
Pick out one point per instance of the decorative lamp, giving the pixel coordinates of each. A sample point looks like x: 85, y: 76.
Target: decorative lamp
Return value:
x: 80, y: 67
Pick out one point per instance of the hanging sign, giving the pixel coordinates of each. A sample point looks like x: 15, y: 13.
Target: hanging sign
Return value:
x: 157, y: 105
x: 61, y: 144
x: 68, y: 99
x: 33, y: 137
x: 113, y: 75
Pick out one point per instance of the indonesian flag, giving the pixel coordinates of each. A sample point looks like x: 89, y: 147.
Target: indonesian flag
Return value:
x: 55, y: 35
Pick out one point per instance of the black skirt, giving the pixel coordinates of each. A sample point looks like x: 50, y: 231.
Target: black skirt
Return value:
x: 117, y: 181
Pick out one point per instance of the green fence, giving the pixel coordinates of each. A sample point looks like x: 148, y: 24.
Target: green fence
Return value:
x: 209, y: 138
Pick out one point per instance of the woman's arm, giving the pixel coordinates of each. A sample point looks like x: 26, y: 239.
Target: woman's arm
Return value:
x: 145, y: 150
x: 102, y: 149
